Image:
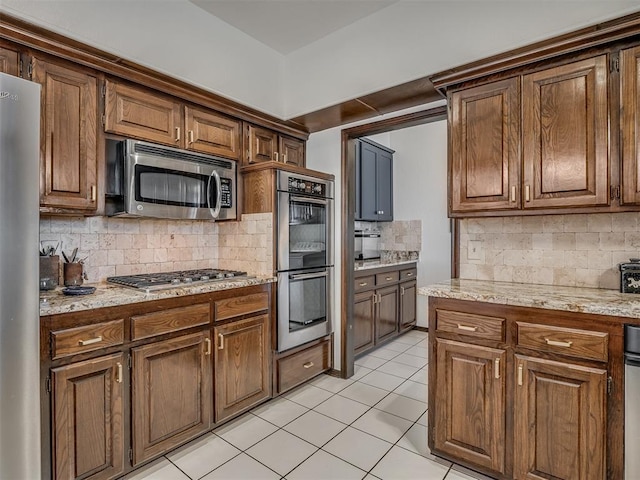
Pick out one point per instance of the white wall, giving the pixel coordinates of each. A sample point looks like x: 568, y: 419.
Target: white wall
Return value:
x: 174, y: 37
x: 411, y: 39
x: 420, y: 193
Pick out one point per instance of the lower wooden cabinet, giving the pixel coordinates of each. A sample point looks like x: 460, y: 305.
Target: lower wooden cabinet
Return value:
x: 383, y: 307
x: 560, y: 426
x: 514, y: 392
x: 87, y: 419
x: 171, y: 393
x: 470, y: 394
x: 300, y: 364
x: 242, y: 365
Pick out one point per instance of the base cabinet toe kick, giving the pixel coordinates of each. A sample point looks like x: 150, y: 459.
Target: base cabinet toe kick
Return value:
x: 526, y: 393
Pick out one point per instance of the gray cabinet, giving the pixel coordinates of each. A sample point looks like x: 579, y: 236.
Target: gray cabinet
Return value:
x: 374, y: 182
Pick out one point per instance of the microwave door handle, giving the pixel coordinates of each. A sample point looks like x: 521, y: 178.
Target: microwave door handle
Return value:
x: 319, y: 201
x: 308, y: 276
x: 215, y: 211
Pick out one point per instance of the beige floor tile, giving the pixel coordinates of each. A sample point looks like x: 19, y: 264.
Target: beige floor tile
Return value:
x: 403, y: 407
x: 363, y: 393
x: 401, y: 464
x: 280, y: 411
x: 242, y: 467
x: 315, y: 428
x: 281, y: 452
x: 245, y: 431
x: 367, y: 452
x: 342, y: 409
x: 325, y: 466
x: 308, y: 395
x: 200, y: 457
x: 383, y: 425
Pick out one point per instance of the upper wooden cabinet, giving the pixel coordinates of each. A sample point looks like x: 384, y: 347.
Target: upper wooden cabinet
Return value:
x: 264, y: 145
x: 536, y: 141
x: 9, y: 61
x: 485, y: 147
x: 68, y: 146
x: 140, y: 113
x: 630, y: 125
x: 565, y: 135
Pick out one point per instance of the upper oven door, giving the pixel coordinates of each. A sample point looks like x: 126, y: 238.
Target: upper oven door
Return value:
x: 304, y: 232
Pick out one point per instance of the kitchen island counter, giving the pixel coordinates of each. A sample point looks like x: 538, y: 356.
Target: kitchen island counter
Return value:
x: 108, y: 295
x: 570, y: 299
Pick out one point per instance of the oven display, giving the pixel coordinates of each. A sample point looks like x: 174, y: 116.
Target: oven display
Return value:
x: 307, y: 187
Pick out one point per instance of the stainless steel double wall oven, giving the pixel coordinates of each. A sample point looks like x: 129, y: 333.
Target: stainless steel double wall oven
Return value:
x: 304, y: 258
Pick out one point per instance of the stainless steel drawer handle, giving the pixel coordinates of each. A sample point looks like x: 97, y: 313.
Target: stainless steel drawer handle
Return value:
x: 467, y: 328
x: 91, y: 341
x: 363, y: 284
x: 556, y: 343
x: 308, y: 365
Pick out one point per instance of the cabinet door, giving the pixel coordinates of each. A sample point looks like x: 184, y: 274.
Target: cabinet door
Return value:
x: 139, y: 113
x: 408, y: 304
x: 262, y: 144
x: 172, y: 397
x: 560, y: 429
x: 485, y: 147
x: 470, y: 403
x: 387, y: 314
x: 384, y: 186
x: 565, y: 132
x: 366, y: 173
x: 630, y: 125
x: 87, y: 419
x: 208, y: 132
x: 243, y: 365
x: 364, y: 310
x: 9, y: 61
x: 292, y: 151
x: 68, y: 148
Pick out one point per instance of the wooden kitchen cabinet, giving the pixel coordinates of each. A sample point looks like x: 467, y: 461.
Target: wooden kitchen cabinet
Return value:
x: 68, y: 146
x: 630, y: 125
x: 384, y: 305
x: 264, y: 145
x: 553, y: 122
x: 471, y: 398
x: 171, y: 393
x: 560, y: 426
x: 242, y: 365
x: 87, y: 409
x: 374, y: 182
x: 565, y: 131
x: 9, y: 61
x: 148, y: 115
x: 485, y: 147
x: 521, y: 394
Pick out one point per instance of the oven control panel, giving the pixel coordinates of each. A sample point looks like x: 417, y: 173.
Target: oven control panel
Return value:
x: 307, y: 187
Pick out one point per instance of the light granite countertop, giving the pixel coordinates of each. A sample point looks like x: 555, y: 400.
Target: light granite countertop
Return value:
x: 370, y: 264
x: 107, y: 295
x: 570, y: 299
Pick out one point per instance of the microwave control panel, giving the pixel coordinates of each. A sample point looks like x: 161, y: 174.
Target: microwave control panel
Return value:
x: 307, y: 187
x: 226, y: 193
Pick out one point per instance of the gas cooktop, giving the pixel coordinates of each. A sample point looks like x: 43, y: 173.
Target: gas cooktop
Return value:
x: 159, y: 281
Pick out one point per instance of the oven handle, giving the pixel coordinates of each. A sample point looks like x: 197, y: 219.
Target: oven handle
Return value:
x: 632, y: 359
x: 307, y: 276
x: 215, y: 211
x: 319, y: 201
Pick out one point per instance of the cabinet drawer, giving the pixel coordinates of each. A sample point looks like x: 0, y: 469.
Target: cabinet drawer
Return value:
x: 364, y: 283
x: 71, y: 341
x: 171, y: 320
x: 566, y: 341
x: 480, y: 326
x: 301, y: 366
x: 233, y: 307
x: 388, y: 278
x: 408, y: 274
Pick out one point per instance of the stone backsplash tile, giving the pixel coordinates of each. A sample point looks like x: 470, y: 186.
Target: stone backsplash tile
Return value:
x: 569, y: 250
x: 118, y: 246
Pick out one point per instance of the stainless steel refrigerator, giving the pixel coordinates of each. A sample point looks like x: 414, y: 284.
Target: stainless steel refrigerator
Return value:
x: 19, y: 304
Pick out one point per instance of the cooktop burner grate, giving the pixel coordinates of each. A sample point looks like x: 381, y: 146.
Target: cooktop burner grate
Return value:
x: 158, y: 281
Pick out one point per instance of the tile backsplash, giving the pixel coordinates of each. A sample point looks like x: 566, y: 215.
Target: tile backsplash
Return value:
x: 125, y: 246
x: 571, y: 250
x: 401, y: 235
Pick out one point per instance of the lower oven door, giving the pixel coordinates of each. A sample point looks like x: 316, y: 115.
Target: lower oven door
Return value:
x: 304, y: 306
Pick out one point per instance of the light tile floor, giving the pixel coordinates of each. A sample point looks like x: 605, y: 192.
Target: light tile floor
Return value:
x: 371, y: 426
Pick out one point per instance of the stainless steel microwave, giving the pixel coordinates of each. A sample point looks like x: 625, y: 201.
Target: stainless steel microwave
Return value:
x: 149, y: 180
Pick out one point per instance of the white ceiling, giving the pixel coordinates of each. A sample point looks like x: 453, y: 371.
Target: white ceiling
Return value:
x: 287, y: 25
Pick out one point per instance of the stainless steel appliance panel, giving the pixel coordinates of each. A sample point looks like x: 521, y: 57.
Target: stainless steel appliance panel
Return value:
x: 304, y: 306
x: 19, y: 263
